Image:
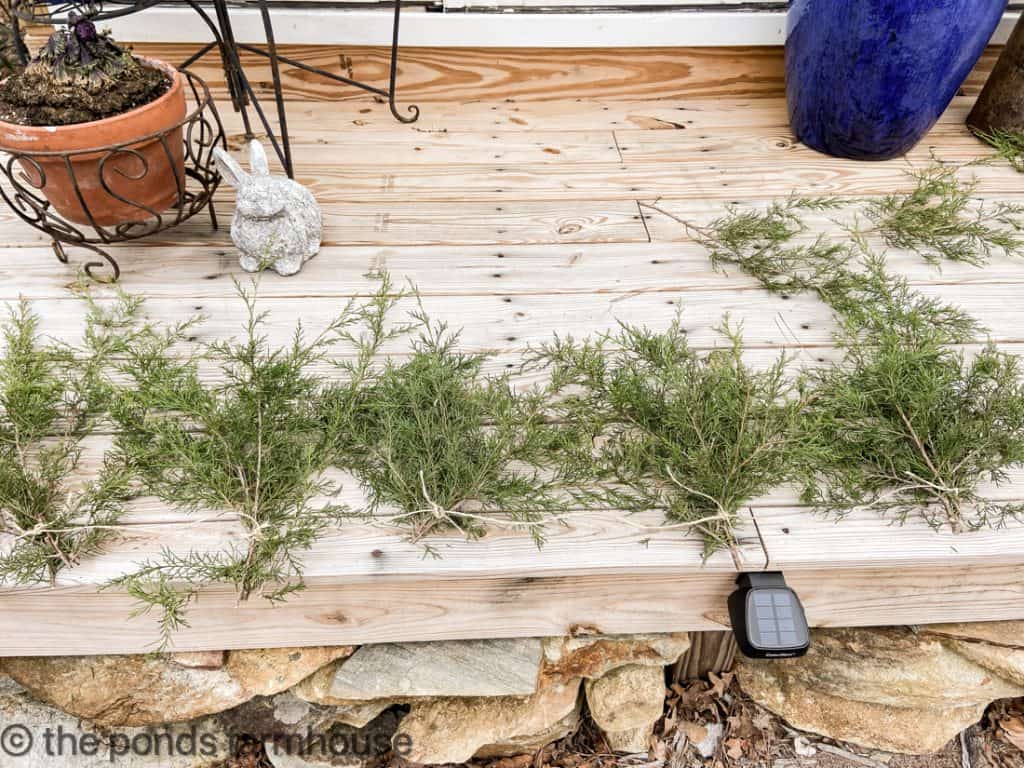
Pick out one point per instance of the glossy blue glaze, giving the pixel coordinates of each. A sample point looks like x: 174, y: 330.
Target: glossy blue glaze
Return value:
x: 867, y: 79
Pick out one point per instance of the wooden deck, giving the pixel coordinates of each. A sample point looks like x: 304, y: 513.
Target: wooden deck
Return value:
x: 515, y: 204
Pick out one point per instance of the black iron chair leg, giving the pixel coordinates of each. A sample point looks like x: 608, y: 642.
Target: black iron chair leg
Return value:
x: 388, y: 94
x: 228, y: 57
x: 412, y: 108
x: 275, y: 70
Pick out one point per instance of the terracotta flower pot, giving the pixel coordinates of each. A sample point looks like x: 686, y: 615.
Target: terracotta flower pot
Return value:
x: 137, y: 180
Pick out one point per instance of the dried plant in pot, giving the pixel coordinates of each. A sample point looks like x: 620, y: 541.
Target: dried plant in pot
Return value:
x: 97, y: 130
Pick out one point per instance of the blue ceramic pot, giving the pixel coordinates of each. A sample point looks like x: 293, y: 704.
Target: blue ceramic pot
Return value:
x: 867, y: 79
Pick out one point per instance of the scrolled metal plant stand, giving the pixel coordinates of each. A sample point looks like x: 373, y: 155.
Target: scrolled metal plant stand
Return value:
x: 23, y: 180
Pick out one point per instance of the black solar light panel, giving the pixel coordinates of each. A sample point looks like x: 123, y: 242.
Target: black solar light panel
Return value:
x: 767, y: 617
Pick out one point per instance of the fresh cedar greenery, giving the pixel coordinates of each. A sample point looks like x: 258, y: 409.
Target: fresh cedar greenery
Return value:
x: 846, y: 275
x: 867, y: 297
x: 761, y: 243
x: 51, y: 396
x: 695, y: 435
x: 907, y: 425
x: 905, y: 422
x: 940, y: 220
x: 439, y: 445
x: 1008, y: 145
x: 251, y: 444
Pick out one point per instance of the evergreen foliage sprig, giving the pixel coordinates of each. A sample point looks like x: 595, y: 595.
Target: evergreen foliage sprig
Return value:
x: 252, y: 444
x: 908, y: 425
x: 1008, y: 144
x: 51, y: 398
x: 761, y: 243
x: 904, y: 423
x: 694, y: 435
x: 874, y: 302
x: 445, y: 444
x: 940, y: 220
x: 846, y: 275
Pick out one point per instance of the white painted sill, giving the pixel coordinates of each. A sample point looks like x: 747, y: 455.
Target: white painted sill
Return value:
x: 512, y: 28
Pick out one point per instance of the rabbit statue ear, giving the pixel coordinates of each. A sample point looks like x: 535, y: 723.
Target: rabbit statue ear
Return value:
x: 229, y: 168
x: 258, y: 159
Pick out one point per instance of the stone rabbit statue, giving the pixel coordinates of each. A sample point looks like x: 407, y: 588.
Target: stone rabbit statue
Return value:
x: 277, y: 221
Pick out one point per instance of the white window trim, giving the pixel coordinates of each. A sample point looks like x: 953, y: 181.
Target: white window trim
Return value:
x: 509, y: 28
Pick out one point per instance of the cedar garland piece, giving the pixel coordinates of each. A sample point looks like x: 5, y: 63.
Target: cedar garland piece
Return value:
x: 659, y: 426
x: 438, y: 445
x: 51, y: 397
x: 905, y: 423
x: 940, y: 220
x: 252, y: 445
x: 1008, y: 144
x: 760, y: 242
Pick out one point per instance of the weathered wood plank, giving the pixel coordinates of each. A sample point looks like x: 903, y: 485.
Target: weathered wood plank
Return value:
x: 598, y: 572
x: 352, y: 118
x: 713, y: 116
x: 506, y: 323
x: 950, y: 141
x: 594, y: 543
x: 408, y: 147
x: 387, y: 594
x: 357, y: 146
x: 174, y: 269
x: 705, y: 130
x: 799, y: 541
x: 466, y: 74
x: 78, y: 620
x: 401, y: 223
x: 476, y: 222
x: 867, y: 571
x: 725, y: 178
x: 782, y: 502
x: 886, y: 596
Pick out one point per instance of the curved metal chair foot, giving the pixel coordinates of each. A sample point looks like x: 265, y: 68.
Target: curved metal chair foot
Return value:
x: 402, y: 118
x: 90, y: 267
